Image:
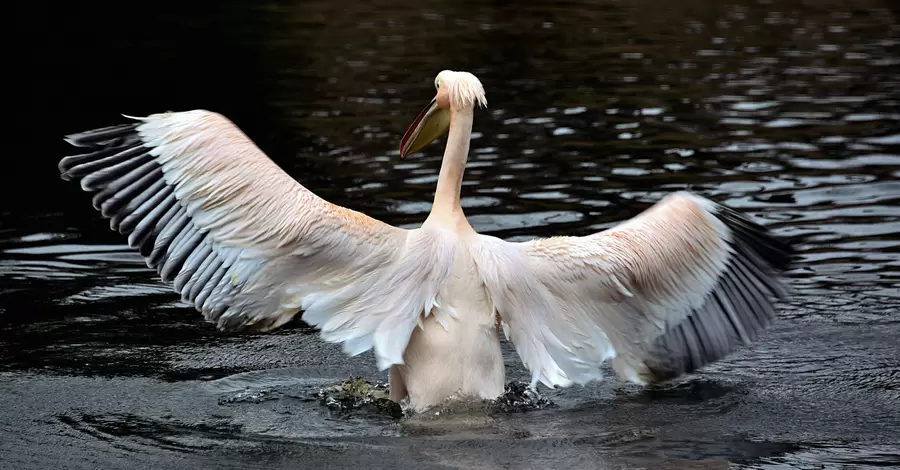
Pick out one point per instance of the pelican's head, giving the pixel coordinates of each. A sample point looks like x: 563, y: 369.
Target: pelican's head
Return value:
x: 455, y: 91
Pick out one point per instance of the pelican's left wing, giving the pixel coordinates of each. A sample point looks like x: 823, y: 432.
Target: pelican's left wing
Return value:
x: 677, y: 287
x: 248, y: 245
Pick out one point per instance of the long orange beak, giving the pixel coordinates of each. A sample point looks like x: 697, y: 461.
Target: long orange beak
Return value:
x: 430, y: 124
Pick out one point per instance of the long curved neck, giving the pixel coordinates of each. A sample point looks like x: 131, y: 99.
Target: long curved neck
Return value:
x: 446, y: 196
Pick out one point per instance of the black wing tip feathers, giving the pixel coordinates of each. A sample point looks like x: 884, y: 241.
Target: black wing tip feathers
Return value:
x: 99, y: 143
x: 660, y: 373
x: 694, y: 344
x: 130, y: 191
x: 670, y: 360
x: 101, y: 136
x: 778, y: 253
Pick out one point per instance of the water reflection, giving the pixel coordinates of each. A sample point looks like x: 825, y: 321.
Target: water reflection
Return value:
x: 787, y: 111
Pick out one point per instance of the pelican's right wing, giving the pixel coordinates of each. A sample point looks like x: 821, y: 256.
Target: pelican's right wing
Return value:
x: 675, y: 288
x: 249, y: 246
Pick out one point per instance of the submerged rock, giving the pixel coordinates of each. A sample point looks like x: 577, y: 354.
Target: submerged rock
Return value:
x: 358, y: 393
x: 518, y: 397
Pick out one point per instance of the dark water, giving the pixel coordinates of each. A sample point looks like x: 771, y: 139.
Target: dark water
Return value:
x: 789, y: 111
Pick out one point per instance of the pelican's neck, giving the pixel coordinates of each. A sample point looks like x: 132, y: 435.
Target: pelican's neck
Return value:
x: 446, y: 196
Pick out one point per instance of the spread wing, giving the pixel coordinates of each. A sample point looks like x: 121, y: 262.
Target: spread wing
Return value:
x: 675, y: 288
x: 249, y: 246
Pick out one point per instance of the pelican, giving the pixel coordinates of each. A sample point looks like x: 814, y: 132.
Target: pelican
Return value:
x: 675, y: 288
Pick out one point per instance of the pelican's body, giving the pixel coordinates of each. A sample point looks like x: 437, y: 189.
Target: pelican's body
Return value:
x: 457, y: 349
x: 665, y: 293
x: 462, y: 357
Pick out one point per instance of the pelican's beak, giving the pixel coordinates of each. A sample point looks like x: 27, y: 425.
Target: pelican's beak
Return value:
x: 430, y: 124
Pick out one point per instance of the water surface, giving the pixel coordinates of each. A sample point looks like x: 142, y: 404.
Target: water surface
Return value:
x: 788, y: 111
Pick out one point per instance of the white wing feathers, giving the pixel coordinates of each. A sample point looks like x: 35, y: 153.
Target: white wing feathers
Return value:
x: 675, y: 288
x: 246, y: 244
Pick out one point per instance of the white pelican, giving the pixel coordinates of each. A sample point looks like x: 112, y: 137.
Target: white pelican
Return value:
x: 675, y: 288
